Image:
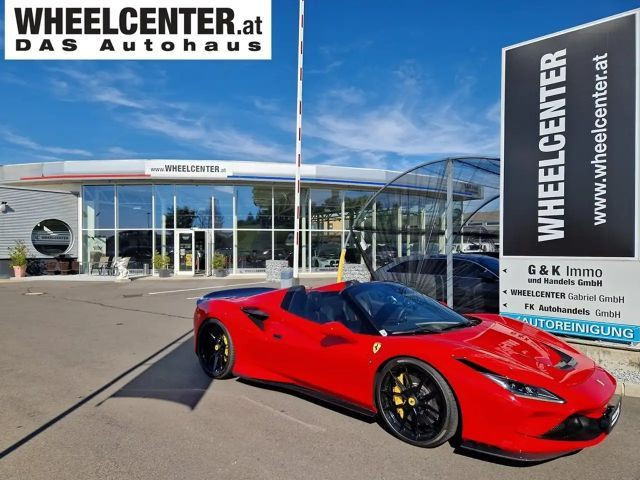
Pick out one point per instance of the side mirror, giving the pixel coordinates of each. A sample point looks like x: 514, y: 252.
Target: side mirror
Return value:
x: 336, y: 329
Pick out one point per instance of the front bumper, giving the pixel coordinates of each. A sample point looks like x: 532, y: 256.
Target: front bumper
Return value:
x: 530, y: 430
x: 576, y: 428
x: 580, y: 428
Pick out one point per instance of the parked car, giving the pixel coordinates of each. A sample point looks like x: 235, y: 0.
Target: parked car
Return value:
x: 429, y: 374
x: 326, y: 256
x: 476, y: 279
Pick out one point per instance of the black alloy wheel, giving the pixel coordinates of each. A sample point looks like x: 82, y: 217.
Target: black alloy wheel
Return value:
x: 416, y: 403
x: 215, y: 350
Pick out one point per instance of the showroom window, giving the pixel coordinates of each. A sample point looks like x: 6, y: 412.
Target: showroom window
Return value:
x: 223, y: 205
x: 134, y: 206
x: 164, y: 244
x: 98, y: 208
x: 326, y: 209
x: 147, y: 217
x: 354, y: 200
x: 223, y: 245
x: 253, y: 207
x: 386, y: 208
x: 136, y: 246
x: 97, y: 244
x: 283, y: 246
x: 325, y: 250
x: 163, y: 200
x: 193, y: 206
x: 52, y: 237
x: 283, y: 208
x: 254, y: 249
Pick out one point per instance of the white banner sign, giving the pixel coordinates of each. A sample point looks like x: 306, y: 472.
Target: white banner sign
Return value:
x: 181, y: 169
x: 572, y: 297
x: 137, y: 30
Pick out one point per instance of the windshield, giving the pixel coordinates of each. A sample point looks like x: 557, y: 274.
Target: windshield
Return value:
x: 396, y: 309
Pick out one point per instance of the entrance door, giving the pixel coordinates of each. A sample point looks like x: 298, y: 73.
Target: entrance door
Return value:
x: 201, y: 252
x: 184, y: 252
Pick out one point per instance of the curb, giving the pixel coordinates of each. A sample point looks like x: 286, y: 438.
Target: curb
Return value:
x: 630, y: 389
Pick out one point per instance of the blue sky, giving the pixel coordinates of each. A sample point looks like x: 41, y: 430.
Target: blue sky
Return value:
x: 387, y: 84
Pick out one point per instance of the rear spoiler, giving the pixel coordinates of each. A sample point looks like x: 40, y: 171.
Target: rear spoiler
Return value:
x: 235, y: 293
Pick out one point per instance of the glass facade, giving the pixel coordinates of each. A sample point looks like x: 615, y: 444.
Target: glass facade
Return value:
x: 253, y: 207
x: 134, y: 206
x: 254, y: 249
x: 247, y: 224
x: 98, y: 207
x: 193, y: 206
x: 97, y: 244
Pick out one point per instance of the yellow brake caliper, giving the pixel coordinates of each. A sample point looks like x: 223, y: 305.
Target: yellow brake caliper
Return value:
x: 226, y: 346
x: 397, y: 399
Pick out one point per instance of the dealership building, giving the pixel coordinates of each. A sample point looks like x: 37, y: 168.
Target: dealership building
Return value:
x: 242, y: 213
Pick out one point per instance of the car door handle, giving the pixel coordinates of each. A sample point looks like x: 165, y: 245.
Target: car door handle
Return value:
x: 277, y: 336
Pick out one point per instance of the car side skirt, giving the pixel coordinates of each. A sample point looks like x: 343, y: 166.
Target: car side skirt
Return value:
x: 323, y: 397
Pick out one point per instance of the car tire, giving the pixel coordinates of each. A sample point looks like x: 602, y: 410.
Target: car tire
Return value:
x: 415, y: 403
x: 215, y: 349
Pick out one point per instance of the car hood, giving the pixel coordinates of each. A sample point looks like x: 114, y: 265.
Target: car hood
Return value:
x: 519, y: 351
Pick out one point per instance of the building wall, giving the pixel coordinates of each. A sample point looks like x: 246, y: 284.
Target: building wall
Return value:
x: 26, y: 208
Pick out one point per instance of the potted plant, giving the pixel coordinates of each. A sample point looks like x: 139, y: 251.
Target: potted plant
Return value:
x: 219, y: 264
x: 18, y: 259
x: 161, y: 264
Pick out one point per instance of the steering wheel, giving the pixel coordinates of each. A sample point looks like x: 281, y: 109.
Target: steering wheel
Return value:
x: 389, y: 314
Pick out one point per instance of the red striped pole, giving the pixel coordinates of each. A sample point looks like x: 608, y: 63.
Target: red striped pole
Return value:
x: 296, y: 226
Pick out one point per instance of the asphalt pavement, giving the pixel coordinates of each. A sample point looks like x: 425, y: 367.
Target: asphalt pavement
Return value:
x: 99, y: 380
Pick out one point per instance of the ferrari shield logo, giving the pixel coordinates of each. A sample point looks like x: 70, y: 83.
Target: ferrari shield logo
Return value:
x: 376, y: 347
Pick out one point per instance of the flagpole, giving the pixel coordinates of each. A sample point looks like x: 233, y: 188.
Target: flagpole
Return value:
x: 296, y: 226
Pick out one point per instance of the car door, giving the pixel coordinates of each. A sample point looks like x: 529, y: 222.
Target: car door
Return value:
x: 332, y: 363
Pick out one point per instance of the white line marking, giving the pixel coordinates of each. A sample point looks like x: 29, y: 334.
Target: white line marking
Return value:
x: 204, y: 288
x: 315, y: 428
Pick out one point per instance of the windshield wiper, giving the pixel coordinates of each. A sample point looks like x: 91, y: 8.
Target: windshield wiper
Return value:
x: 426, y: 330
x: 416, y: 331
x: 457, y: 325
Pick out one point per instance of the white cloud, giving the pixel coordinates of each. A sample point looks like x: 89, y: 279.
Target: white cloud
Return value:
x: 391, y: 129
x: 114, y: 96
x: 347, y: 95
x: 416, y: 120
x: 325, y: 69
x: 221, y: 141
x: 121, y: 152
x: 99, y: 86
x: 409, y: 75
x: 266, y: 105
x: 193, y: 126
x: 25, y: 142
x: 493, y: 114
x: 333, y: 56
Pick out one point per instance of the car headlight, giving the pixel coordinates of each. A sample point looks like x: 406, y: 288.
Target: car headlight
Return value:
x: 523, y: 390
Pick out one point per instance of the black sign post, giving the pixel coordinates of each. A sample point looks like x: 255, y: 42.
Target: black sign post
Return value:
x: 570, y: 173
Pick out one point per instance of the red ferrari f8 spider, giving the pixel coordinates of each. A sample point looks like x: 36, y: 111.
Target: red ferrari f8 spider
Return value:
x: 495, y: 384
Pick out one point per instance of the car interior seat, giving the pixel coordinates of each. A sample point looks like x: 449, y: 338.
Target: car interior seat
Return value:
x: 295, y: 300
x: 313, y: 307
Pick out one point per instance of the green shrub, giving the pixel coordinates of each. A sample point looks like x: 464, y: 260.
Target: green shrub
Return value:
x: 18, y: 254
x: 219, y: 261
x: 160, y: 262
